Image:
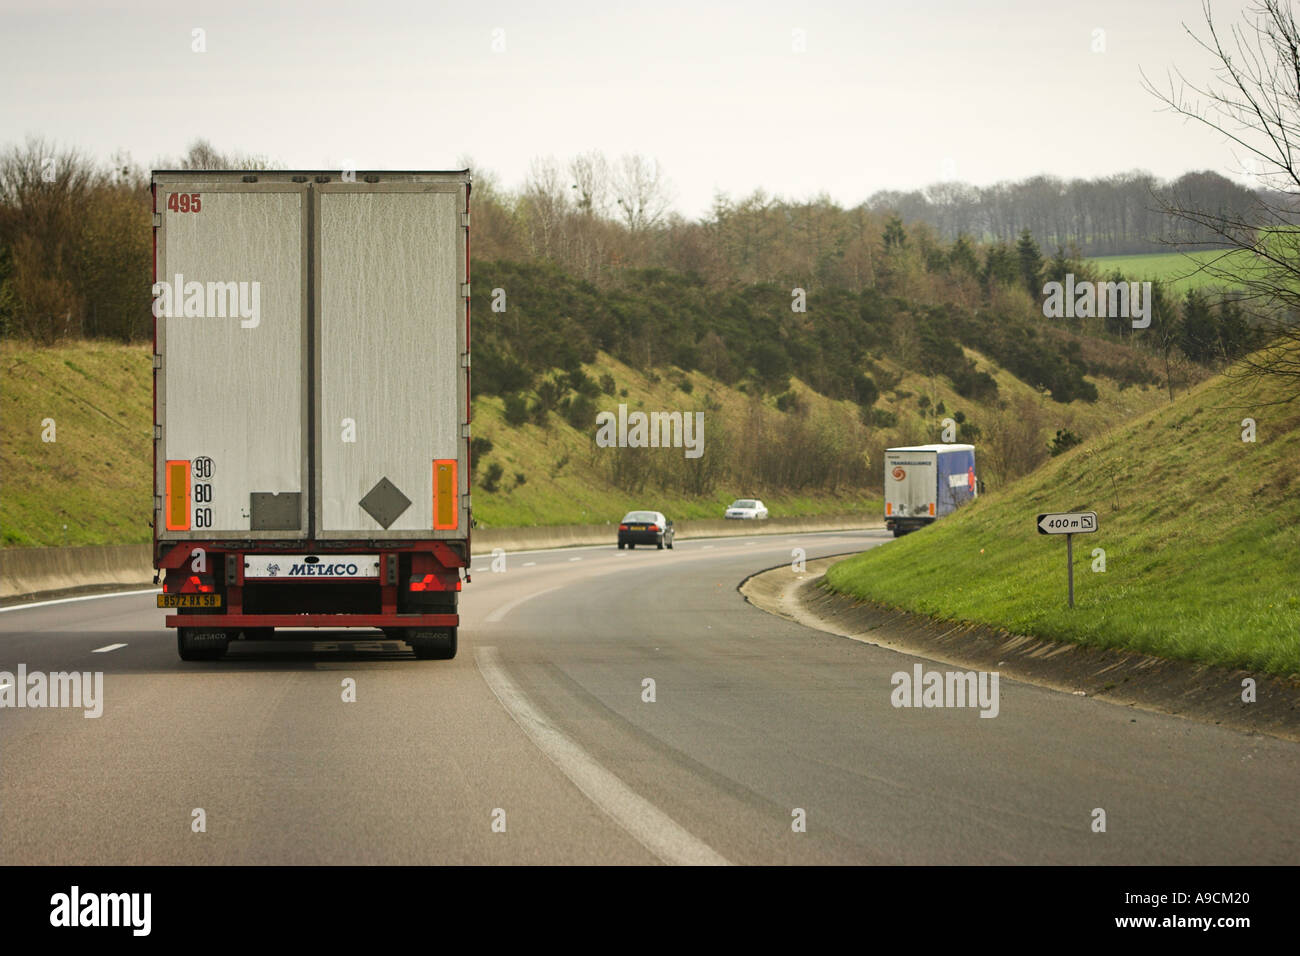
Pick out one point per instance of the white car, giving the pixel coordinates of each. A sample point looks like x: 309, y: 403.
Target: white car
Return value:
x: 746, y: 508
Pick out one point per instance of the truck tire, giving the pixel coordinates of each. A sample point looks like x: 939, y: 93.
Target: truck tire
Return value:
x: 193, y: 644
x: 439, y: 645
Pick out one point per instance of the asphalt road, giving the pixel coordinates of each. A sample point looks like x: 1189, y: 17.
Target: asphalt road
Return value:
x: 541, y: 724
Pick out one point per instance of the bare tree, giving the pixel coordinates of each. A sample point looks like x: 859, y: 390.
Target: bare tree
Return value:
x: 203, y: 155
x: 1253, y: 99
x: 591, y: 182
x: 642, y: 191
x: 545, y: 205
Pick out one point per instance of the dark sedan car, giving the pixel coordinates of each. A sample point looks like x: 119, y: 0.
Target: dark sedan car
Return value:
x: 645, y: 527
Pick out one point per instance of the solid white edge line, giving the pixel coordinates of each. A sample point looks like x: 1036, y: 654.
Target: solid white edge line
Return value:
x: 649, y: 825
x: 84, y: 597
x: 106, y: 648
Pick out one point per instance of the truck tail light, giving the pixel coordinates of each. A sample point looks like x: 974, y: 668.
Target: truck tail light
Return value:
x: 176, y: 514
x: 889, y: 507
x: 446, y: 510
x: 197, y: 584
x: 428, y: 583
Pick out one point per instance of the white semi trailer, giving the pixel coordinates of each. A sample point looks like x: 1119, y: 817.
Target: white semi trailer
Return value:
x: 311, y: 404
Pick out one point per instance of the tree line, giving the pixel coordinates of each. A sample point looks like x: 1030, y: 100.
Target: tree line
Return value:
x: 590, y: 256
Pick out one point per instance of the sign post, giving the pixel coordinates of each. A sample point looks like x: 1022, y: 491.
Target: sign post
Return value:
x: 1070, y: 524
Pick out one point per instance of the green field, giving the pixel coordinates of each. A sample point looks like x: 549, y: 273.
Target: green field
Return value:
x: 1180, y: 271
x: 1201, y: 533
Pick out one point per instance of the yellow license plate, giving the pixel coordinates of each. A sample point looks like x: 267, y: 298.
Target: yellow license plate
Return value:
x: 189, y: 600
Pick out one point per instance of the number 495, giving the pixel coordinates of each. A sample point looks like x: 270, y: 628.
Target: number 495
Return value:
x: 184, y: 202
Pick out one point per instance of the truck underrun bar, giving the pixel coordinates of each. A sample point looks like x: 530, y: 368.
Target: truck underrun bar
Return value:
x: 236, y: 621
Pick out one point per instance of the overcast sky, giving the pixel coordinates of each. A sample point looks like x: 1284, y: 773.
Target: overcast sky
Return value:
x: 885, y: 95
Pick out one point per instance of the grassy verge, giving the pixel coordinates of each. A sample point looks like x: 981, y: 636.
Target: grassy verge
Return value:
x: 1201, y: 534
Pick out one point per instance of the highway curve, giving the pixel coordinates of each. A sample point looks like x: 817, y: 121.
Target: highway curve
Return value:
x: 540, y: 728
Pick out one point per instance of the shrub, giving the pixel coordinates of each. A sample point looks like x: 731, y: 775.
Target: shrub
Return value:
x: 579, y: 411
x: 478, y: 449
x: 492, y: 480
x: 1064, y: 441
x: 516, y: 410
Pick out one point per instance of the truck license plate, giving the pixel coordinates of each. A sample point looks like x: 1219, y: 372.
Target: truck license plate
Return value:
x: 189, y: 600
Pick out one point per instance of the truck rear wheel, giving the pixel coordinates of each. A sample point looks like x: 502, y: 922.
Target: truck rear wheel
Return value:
x: 439, y: 645
x: 194, y: 644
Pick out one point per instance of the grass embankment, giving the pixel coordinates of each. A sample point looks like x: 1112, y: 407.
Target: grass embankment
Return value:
x: 95, y: 478
x: 1201, y: 533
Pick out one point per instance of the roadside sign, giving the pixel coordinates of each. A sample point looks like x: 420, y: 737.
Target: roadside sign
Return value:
x: 1068, y: 524
x: 1078, y: 522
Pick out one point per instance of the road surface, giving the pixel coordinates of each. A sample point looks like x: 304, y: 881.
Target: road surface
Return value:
x: 538, y: 744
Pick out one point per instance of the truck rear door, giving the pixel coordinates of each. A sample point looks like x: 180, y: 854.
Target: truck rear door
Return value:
x: 231, y: 454
x: 910, y: 483
x: 392, y: 360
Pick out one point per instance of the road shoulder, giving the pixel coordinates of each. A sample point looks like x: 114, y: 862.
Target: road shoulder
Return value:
x: 1179, y: 688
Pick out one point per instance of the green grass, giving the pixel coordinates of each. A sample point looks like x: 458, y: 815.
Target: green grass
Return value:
x: 1201, y: 533
x: 1180, y: 271
x: 95, y: 476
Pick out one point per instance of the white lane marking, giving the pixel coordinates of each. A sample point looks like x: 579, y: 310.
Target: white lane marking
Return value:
x: 529, y: 564
x: 106, y: 648
x: 505, y: 609
x: 651, y: 827
x: 85, y: 597
x: 706, y: 547
x: 575, y: 559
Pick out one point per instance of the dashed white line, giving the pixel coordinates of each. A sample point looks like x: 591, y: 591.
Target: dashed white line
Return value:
x: 530, y: 564
x: 651, y: 827
x: 106, y: 648
x: 575, y: 559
